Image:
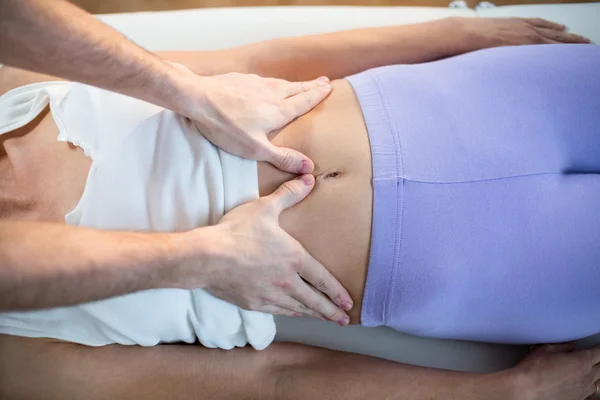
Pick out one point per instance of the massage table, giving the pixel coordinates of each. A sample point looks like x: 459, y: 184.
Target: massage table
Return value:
x: 218, y: 28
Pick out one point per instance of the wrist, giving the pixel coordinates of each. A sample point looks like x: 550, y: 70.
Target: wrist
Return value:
x: 506, y: 384
x: 188, y: 94
x: 461, y: 34
x: 187, y: 260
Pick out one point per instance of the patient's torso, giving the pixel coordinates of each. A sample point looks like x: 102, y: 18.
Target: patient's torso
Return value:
x: 151, y: 171
x: 333, y: 223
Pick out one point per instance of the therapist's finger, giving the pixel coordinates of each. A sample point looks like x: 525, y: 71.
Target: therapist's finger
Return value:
x: 289, y: 193
x: 276, y: 310
x: 561, y: 37
x: 315, y: 304
x: 297, y: 307
x: 301, y: 103
x: 317, y: 275
x: 294, y: 88
x: 285, y: 159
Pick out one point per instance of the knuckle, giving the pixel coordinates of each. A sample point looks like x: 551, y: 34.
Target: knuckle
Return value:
x: 296, y: 262
x: 253, y: 151
x: 285, y: 284
x: 291, y: 188
x: 265, y: 206
x: 300, y: 308
x: 313, y: 312
x: 309, y: 98
x: 321, y: 284
x: 287, y: 160
x: 313, y: 307
x: 272, y: 84
x: 305, y: 86
x: 282, y: 118
x: 533, y: 36
x: 330, y: 313
x: 269, y: 299
x: 555, y: 35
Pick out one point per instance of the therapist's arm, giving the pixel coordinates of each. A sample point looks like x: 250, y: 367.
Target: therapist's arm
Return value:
x: 57, y: 38
x: 246, y: 259
x: 48, y: 265
x: 340, y: 54
x: 234, y: 112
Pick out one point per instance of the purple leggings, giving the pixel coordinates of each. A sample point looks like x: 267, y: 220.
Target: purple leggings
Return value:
x: 486, y: 176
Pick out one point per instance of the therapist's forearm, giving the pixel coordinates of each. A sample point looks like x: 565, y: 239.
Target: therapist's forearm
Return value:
x: 57, y: 38
x: 47, y: 265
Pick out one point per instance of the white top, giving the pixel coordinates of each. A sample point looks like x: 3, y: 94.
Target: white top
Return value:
x: 152, y: 171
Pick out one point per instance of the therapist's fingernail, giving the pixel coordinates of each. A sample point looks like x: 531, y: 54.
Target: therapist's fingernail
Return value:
x: 323, y: 81
x: 305, y: 167
x: 308, y: 179
x: 298, y: 314
x: 343, y: 321
x: 347, y: 306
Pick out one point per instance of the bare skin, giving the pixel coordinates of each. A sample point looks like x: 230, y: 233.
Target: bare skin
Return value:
x: 334, y: 136
x: 284, y: 371
x: 41, y: 369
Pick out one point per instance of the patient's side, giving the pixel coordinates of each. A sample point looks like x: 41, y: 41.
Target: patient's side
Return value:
x: 333, y: 223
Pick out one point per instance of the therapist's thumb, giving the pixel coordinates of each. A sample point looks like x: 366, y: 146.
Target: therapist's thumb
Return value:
x: 291, y: 193
x: 287, y: 160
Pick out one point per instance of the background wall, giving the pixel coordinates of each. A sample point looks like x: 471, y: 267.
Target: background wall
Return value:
x: 111, y: 6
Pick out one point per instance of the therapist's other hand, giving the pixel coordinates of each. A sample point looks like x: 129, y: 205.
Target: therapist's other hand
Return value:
x: 260, y: 267
x: 493, y: 32
x: 237, y: 111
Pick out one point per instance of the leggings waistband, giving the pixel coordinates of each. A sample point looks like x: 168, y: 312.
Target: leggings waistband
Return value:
x: 386, y: 233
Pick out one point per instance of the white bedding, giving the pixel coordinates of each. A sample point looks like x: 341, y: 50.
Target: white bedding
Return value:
x: 207, y: 29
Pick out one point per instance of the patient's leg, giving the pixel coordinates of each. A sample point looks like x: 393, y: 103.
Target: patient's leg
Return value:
x: 43, y: 370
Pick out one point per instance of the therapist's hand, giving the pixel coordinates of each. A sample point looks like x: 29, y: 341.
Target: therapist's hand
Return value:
x: 237, y: 111
x: 256, y: 265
